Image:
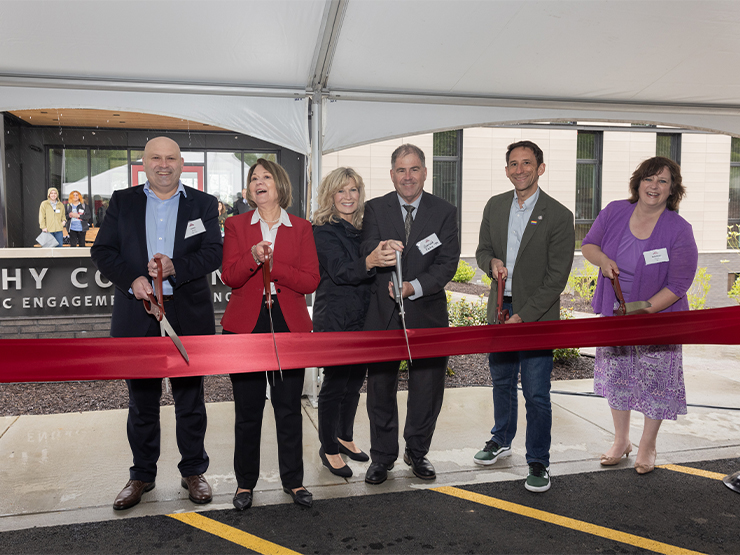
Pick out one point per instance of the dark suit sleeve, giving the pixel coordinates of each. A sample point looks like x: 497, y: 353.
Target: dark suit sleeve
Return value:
x: 106, y: 252
x: 335, y: 260
x: 485, y: 252
x: 560, y: 250
x: 207, y: 257
x: 370, y: 230
x: 443, y: 269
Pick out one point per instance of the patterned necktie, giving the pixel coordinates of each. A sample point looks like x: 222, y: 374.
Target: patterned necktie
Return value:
x: 409, y: 220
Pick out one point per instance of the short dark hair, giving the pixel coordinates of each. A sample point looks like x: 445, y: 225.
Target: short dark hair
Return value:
x: 406, y: 149
x: 653, y: 166
x: 539, y: 156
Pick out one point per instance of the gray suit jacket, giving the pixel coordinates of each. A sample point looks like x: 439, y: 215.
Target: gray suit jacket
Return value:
x: 383, y: 220
x: 544, y: 260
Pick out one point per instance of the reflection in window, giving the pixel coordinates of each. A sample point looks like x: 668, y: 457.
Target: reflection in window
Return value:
x: 68, y: 171
x: 588, y: 182
x: 109, y: 171
x: 733, y: 209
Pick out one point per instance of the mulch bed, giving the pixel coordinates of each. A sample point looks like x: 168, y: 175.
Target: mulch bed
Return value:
x: 52, y: 398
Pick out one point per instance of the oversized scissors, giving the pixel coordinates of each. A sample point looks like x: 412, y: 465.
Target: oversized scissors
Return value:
x: 155, y: 307
x: 268, y: 302
x: 635, y: 307
x: 398, y: 295
x: 502, y: 314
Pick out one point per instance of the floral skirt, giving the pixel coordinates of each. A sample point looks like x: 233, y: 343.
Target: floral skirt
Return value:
x: 645, y: 378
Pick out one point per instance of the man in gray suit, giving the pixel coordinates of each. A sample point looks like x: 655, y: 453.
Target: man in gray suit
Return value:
x: 528, y: 239
x: 424, y: 228
x: 241, y: 206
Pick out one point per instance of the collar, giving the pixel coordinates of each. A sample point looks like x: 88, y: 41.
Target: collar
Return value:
x: 180, y: 189
x: 415, y: 204
x: 284, y: 218
x: 529, y: 203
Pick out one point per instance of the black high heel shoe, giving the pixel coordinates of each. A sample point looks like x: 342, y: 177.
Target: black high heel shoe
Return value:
x: 301, y: 497
x: 343, y: 472
x: 242, y: 500
x: 360, y: 457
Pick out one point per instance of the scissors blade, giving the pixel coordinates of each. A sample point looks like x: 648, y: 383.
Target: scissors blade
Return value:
x: 274, y: 343
x: 398, y: 294
x: 166, y: 327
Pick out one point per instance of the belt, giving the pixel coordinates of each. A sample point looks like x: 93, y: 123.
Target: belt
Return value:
x: 507, y: 299
x: 166, y: 298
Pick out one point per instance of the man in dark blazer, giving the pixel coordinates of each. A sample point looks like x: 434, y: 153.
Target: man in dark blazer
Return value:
x: 241, y: 206
x: 179, y: 225
x: 430, y: 255
x: 527, y: 238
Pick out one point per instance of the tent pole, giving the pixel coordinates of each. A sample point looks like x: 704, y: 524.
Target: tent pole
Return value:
x: 317, y: 116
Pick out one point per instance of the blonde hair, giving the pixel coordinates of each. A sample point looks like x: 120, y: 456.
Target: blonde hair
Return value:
x: 330, y: 185
x: 48, y: 193
x: 279, y: 176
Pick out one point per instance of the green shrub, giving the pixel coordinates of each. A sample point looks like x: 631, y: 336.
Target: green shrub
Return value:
x: 697, y: 293
x: 465, y: 272
x: 486, y: 280
x: 582, y: 282
x: 561, y: 355
x: 463, y: 313
x: 733, y: 236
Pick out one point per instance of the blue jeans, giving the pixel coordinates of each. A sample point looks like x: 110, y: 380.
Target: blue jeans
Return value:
x: 536, y: 370
x: 59, y: 236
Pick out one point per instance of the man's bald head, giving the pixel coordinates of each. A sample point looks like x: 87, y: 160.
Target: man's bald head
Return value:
x: 163, y: 166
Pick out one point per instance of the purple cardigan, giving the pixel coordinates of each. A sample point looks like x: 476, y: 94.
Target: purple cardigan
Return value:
x: 671, y: 232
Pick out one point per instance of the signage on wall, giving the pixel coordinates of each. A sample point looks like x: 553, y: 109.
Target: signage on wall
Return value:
x: 67, y: 287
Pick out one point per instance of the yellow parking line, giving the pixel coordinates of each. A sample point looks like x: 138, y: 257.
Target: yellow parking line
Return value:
x: 566, y: 522
x: 234, y: 535
x: 694, y: 471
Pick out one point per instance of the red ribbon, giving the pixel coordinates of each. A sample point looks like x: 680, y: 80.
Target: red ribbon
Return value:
x: 147, y: 357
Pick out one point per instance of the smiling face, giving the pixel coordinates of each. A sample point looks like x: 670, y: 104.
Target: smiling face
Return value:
x: 523, y: 172
x: 163, y: 166
x: 408, y: 176
x: 347, y: 200
x: 53, y: 195
x: 74, y: 197
x: 655, y: 189
x: 262, y: 189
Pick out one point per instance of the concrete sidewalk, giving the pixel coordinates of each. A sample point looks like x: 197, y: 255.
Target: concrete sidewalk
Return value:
x: 68, y: 468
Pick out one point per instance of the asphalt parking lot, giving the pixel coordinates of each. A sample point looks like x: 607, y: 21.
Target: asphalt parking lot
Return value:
x: 675, y: 509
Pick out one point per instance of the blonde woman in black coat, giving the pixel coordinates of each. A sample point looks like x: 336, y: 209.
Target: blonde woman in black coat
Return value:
x: 341, y: 302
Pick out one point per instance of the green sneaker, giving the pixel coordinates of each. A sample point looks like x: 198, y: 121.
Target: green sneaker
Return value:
x: 490, y: 453
x: 539, y: 478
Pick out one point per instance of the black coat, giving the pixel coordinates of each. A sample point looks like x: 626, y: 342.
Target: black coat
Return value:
x: 343, y: 295
x: 85, y: 215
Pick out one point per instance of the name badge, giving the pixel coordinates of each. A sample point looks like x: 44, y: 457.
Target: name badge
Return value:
x: 195, y: 227
x: 655, y: 256
x: 57, y: 210
x: 428, y: 244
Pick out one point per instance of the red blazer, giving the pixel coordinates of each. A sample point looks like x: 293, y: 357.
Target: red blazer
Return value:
x: 295, y: 272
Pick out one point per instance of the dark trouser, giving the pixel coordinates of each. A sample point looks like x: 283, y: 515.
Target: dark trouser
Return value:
x: 338, y: 400
x: 249, y: 406
x: 143, y: 418
x: 77, y: 239
x: 426, y: 388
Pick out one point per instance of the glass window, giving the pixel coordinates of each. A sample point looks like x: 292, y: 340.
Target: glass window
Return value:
x: 447, y: 166
x: 733, y: 208
x: 68, y: 170
x: 588, y: 182
x: 109, y: 170
x: 224, y: 176
x: 668, y: 145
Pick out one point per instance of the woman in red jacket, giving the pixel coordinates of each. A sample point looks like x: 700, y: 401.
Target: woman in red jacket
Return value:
x: 268, y: 235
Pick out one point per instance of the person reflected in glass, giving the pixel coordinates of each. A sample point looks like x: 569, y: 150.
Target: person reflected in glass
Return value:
x: 651, y: 249
x: 342, y: 300
x: 268, y: 235
x: 52, y: 215
x: 79, y: 218
x: 222, y: 215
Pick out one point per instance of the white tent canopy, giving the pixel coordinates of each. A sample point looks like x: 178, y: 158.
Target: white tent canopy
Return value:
x: 376, y: 69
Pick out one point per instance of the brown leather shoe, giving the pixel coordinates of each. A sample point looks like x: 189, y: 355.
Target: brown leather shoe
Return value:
x: 198, y: 489
x: 131, y: 494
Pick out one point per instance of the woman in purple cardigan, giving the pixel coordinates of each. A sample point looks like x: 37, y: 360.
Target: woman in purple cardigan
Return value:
x: 652, y: 250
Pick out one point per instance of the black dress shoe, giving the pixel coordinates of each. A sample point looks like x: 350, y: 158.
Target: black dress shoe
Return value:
x: 301, y: 497
x: 360, y: 457
x: 131, y: 494
x: 421, y: 467
x: 377, y: 473
x: 242, y: 500
x: 344, y: 472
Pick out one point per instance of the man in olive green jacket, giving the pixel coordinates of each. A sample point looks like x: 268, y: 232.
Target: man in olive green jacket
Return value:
x: 528, y: 239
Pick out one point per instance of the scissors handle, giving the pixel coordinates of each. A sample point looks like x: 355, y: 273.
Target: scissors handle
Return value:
x: 502, y: 314
x: 155, y: 306
x: 266, y: 278
x: 622, y: 310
